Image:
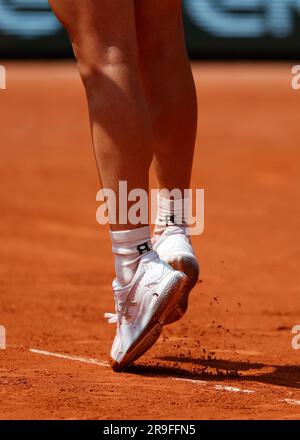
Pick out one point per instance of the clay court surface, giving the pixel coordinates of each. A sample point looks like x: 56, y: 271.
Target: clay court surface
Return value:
x: 231, y: 355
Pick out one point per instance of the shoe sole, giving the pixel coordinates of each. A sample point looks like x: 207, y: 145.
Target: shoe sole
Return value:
x: 153, y: 330
x: 190, y: 267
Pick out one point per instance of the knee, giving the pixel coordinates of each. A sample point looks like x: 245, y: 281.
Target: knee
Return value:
x: 96, y: 64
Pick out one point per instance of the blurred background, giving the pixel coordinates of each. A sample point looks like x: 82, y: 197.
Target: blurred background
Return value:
x: 214, y: 29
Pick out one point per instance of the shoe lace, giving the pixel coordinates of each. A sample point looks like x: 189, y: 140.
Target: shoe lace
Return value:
x: 122, y: 309
x: 111, y: 318
x: 125, y: 308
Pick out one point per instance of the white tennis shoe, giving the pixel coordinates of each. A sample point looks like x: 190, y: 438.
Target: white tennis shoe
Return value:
x: 142, y: 307
x: 174, y: 247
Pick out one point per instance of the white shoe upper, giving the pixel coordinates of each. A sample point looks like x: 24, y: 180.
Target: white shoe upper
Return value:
x: 136, y: 303
x: 173, y: 243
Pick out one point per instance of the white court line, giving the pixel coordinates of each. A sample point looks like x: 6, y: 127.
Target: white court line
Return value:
x: 70, y: 358
x: 230, y: 389
x: 217, y: 387
x: 233, y: 389
x: 198, y: 382
x: 290, y: 401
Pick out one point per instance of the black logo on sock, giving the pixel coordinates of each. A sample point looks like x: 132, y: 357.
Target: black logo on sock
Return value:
x: 170, y: 220
x: 143, y: 248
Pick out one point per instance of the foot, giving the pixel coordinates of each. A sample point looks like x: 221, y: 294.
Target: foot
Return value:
x: 174, y: 247
x: 142, y: 307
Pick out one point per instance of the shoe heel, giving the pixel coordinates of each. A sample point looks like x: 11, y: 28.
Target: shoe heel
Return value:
x: 190, y: 267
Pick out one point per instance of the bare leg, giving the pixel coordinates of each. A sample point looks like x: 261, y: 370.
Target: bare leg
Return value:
x: 146, y: 290
x: 169, y: 87
x: 103, y: 35
x: 171, y: 97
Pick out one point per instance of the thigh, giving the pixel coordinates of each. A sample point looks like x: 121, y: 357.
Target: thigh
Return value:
x: 95, y: 25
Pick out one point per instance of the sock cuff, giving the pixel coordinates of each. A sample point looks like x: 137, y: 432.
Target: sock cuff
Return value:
x: 132, y: 235
x: 171, y: 211
x: 135, y: 241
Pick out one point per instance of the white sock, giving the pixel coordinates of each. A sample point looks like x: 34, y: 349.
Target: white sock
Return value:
x: 170, y: 212
x: 128, y: 247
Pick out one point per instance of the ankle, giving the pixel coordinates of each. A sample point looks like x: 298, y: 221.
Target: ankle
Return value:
x: 128, y: 248
x: 170, y: 213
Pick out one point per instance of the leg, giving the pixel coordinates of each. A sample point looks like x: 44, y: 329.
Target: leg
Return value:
x: 171, y: 96
x: 169, y: 87
x: 103, y: 37
x: 146, y: 290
